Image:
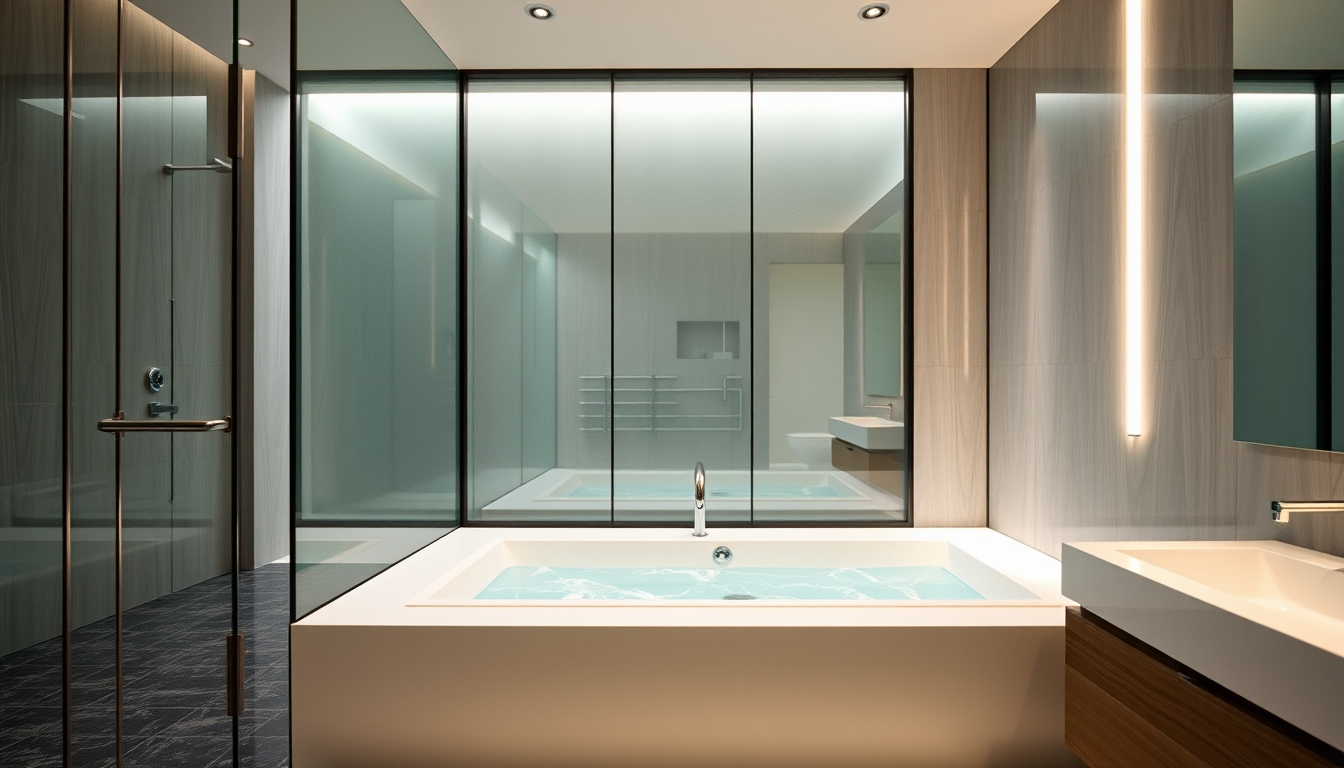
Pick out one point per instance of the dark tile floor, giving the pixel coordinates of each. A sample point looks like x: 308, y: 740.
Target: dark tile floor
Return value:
x: 173, y: 708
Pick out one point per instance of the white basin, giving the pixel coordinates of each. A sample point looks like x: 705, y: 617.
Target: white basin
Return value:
x: 1261, y: 618
x: 871, y: 433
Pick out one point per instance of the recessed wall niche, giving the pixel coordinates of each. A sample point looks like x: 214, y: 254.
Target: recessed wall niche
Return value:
x: 707, y: 339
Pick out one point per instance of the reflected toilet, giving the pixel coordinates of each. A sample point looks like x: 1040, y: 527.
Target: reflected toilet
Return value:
x: 812, y: 448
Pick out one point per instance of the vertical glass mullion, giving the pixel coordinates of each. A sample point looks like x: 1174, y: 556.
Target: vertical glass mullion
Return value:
x: 1336, y: 214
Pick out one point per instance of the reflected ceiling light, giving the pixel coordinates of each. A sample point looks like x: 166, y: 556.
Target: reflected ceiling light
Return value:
x: 243, y: 41
x: 873, y: 11
x: 1134, y: 217
x: 538, y: 11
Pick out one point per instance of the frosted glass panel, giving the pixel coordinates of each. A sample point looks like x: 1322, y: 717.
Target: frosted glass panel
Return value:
x: 378, y: 387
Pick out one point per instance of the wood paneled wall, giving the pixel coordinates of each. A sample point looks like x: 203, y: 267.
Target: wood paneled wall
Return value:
x: 949, y: 398
x: 1060, y: 465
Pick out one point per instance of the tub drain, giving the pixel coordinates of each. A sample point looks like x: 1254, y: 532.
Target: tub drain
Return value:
x: 739, y: 597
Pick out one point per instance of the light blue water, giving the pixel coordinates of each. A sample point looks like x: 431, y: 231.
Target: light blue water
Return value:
x: 682, y: 490
x: 909, y: 582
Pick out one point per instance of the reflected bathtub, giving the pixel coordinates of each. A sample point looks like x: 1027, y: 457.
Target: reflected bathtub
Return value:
x: 578, y: 494
x: 416, y: 668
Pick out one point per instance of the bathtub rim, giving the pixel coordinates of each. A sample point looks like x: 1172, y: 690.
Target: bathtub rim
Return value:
x: 383, y: 600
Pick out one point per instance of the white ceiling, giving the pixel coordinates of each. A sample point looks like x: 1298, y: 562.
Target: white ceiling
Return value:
x: 654, y: 34
x: 684, y: 157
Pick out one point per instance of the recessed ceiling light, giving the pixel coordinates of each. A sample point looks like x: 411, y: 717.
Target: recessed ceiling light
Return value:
x: 873, y: 11
x: 243, y: 41
x: 538, y: 11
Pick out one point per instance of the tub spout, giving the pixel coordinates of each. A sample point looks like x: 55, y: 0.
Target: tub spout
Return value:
x: 699, y: 499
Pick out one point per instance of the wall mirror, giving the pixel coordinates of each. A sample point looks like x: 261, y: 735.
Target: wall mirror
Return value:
x: 1288, y: 224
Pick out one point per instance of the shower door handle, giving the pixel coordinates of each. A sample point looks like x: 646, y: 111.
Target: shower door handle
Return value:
x: 120, y: 425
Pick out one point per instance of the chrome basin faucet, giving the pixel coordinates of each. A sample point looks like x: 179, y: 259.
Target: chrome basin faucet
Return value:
x: 699, y: 500
x: 1279, y: 510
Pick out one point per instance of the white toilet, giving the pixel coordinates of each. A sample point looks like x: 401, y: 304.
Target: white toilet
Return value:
x: 813, y: 448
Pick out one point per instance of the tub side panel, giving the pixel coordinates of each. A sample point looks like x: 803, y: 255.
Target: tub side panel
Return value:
x: 677, y: 696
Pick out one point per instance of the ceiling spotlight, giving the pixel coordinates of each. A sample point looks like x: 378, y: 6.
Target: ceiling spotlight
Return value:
x: 243, y: 41
x: 873, y: 11
x: 538, y: 11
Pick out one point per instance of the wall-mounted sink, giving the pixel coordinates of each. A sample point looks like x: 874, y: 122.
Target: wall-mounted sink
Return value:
x: 1261, y: 618
x: 871, y: 433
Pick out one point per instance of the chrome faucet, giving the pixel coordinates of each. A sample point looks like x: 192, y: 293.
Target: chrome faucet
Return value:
x: 888, y: 406
x: 699, y: 500
x: 1278, y: 510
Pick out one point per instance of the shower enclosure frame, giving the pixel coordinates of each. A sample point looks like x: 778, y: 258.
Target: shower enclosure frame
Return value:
x: 905, y: 76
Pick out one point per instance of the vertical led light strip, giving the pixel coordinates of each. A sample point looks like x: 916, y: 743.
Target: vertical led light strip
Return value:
x: 1134, y: 217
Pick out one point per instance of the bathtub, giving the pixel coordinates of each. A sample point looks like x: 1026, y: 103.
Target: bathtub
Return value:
x: 413, y: 669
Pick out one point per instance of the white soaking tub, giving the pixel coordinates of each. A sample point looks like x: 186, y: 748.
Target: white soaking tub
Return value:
x: 617, y: 647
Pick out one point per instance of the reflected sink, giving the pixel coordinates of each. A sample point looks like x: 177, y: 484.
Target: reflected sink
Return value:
x: 1261, y: 618
x: 871, y: 433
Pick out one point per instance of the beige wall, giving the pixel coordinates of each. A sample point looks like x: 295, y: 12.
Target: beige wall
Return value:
x: 1061, y: 467
x: 948, y: 418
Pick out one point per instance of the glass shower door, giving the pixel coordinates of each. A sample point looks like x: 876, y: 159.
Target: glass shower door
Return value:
x: 681, y: 351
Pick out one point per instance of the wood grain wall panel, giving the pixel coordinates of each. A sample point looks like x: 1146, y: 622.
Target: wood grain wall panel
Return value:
x: 1056, y: 287
x: 1266, y: 473
x: 31, y: 56
x: 201, y: 379
x: 147, y: 247
x: 270, y: 292
x: 950, y: 275
x: 950, y: 447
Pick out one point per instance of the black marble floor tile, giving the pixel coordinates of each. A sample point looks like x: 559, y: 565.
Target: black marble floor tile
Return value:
x: 173, y: 673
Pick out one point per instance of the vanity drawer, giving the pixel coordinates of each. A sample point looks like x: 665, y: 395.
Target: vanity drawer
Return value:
x: 1127, y: 704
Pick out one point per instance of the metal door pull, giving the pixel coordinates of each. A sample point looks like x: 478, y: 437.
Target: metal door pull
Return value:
x: 157, y: 408
x: 120, y: 425
x: 218, y: 166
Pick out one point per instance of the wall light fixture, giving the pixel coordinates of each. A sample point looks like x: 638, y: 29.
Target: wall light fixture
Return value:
x: 1134, y: 235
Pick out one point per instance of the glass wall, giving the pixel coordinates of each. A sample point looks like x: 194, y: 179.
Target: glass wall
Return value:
x: 686, y: 269
x: 378, y: 374
x: 682, y: 292
x: 539, y: 248
x: 829, y: 201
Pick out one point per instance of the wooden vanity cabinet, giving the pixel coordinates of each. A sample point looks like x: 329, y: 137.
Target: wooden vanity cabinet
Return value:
x: 1128, y: 705
x: 881, y: 469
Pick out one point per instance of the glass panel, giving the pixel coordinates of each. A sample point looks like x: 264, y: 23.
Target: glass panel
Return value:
x: 1337, y: 264
x: 539, y: 239
x: 31, y: 93
x: 378, y: 382
x: 682, y: 271
x: 93, y: 347
x: 1274, y: 194
x: 176, y: 317
x: 264, y: 273
x: 829, y: 203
